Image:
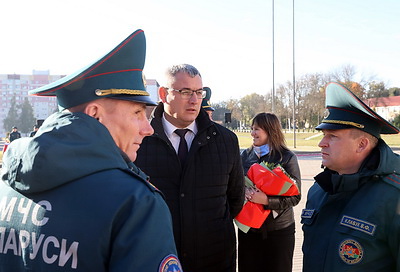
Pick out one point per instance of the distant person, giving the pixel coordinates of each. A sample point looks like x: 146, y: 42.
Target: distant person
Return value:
x: 71, y: 198
x: 6, y: 142
x: 205, y: 104
x: 14, y: 134
x: 200, y: 174
x: 271, y: 247
x: 351, y: 221
x: 35, y: 129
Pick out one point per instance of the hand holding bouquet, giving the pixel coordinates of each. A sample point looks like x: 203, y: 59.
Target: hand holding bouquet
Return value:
x: 273, y: 181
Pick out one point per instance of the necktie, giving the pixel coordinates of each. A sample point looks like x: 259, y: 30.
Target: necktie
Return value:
x: 183, y: 148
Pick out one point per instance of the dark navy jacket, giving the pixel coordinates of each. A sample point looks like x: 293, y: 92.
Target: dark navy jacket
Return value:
x: 70, y: 202
x: 352, y: 222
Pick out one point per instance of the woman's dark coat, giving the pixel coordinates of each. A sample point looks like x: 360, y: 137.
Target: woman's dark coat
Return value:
x: 282, y: 205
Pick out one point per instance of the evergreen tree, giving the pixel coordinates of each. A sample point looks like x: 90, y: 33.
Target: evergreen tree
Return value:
x: 26, y: 118
x: 396, y: 121
x: 12, y: 116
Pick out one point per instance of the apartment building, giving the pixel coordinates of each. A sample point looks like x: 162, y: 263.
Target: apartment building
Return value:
x: 19, y: 85
x: 387, y: 107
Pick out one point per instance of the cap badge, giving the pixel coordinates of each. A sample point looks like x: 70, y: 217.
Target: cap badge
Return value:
x: 326, y: 113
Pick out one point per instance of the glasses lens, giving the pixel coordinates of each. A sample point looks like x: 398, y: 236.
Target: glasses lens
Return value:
x: 199, y: 94
x: 187, y: 94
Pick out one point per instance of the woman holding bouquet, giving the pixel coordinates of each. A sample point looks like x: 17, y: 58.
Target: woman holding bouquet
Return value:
x: 270, y: 248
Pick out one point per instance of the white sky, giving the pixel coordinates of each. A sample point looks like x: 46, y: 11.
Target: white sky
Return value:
x: 229, y: 41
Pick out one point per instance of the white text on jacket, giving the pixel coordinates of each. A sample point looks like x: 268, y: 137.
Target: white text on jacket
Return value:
x: 19, y: 241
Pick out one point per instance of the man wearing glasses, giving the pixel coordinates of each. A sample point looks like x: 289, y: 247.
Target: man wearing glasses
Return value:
x: 196, y: 164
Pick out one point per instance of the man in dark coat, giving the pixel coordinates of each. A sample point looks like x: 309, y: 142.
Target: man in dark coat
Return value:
x: 14, y: 134
x: 33, y: 132
x: 205, y: 191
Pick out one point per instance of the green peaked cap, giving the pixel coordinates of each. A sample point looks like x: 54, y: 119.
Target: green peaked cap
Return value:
x: 345, y: 110
x: 117, y: 75
x: 206, y: 104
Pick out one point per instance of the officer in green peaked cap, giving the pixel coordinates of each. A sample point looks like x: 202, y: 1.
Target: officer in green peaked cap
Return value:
x: 206, y: 104
x: 345, y: 110
x: 354, y: 201
x: 117, y: 75
x: 80, y: 166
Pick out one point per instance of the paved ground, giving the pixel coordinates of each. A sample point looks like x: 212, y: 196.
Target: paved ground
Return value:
x: 310, y: 166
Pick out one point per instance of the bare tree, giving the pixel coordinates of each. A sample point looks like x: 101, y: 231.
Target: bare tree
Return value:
x: 344, y: 74
x: 309, y: 97
x: 250, y: 105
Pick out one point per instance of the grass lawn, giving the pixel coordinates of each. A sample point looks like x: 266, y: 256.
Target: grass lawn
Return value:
x: 305, y: 141
x: 308, y: 141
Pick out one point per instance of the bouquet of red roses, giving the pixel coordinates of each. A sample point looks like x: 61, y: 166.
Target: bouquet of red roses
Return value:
x: 273, y: 181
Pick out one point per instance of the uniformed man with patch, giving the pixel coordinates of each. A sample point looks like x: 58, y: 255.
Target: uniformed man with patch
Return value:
x: 351, y: 221
x: 71, y: 198
x: 206, y: 104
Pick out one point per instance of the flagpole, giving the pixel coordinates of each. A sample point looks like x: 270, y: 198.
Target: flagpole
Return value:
x: 294, y: 91
x: 273, y: 57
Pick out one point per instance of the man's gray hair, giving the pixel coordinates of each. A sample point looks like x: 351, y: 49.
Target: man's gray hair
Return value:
x: 186, y: 68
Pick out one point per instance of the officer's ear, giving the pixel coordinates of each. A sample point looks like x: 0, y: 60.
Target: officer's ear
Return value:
x: 94, y: 109
x: 363, y: 144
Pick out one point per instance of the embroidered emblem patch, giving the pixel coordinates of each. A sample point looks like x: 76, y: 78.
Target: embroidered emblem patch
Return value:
x: 170, y: 264
x: 358, y: 224
x: 306, y: 213
x: 351, y: 252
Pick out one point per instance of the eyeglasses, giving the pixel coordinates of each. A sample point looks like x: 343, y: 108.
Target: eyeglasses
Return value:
x: 188, y: 93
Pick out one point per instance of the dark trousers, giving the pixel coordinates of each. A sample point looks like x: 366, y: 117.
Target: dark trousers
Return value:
x: 274, y: 253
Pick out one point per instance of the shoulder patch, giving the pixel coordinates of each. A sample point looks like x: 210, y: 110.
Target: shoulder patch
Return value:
x: 170, y: 264
x: 393, y: 179
x: 351, y: 252
x: 307, y: 213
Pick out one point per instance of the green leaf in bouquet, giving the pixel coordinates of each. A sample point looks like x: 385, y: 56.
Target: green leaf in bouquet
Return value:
x: 241, y: 226
x: 287, y: 174
x: 248, y: 182
x: 268, y: 166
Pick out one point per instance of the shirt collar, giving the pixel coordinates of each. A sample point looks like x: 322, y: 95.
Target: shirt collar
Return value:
x: 170, y: 128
